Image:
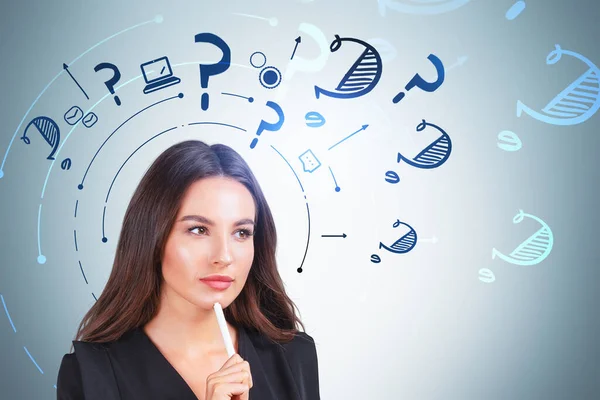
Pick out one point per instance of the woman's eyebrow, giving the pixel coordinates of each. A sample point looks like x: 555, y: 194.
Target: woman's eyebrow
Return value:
x: 204, y: 220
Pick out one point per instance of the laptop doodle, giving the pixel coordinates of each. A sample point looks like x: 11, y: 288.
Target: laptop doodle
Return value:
x: 158, y: 75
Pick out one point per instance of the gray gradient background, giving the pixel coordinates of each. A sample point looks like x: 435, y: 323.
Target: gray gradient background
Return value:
x: 427, y: 328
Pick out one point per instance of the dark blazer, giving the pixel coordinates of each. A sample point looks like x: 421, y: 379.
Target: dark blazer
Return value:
x: 133, y: 368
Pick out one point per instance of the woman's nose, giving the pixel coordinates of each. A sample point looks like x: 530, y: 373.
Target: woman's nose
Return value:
x: 222, y: 251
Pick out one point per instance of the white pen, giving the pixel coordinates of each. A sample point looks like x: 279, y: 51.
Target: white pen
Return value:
x: 224, y: 329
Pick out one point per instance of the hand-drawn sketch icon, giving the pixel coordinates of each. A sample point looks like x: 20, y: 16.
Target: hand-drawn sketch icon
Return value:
x: 575, y: 104
x: 73, y: 115
x: 49, y: 131
x: 534, y: 249
x: 309, y: 161
x: 165, y: 77
x: 269, y: 76
x: 89, y: 120
x: 314, y: 119
x: 405, y: 243
x: 434, y: 155
x: 509, y: 141
x: 362, y: 77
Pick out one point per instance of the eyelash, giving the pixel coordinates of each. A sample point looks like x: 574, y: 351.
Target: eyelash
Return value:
x: 246, y: 231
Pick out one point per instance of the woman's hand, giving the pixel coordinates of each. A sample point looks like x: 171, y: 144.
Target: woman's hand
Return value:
x: 232, y: 382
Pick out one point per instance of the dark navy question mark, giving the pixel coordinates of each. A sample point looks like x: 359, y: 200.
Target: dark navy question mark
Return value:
x: 423, y: 84
x: 207, y: 70
x: 110, y: 84
x: 268, y: 126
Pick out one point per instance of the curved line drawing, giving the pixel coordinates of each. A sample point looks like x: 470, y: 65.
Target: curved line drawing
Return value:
x: 433, y: 155
x: 337, y: 187
x: 307, y: 208
x: 8, y: 314
x: 104, y: 239
x: 362, y: 77
x: 41, y: 259
x: 218, y: 123
x: 273, y: 21
x: 575, y: 104
x: 119, y: 127
x: 82, y: 272
x: 534, y: 249
x: 156, y: 19
x: 423, y: 7
x: 403, y: 245
x: 32, y: 359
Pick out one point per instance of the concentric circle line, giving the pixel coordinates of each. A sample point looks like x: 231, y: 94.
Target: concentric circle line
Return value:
x: 217, y: 123
x: 119, y: 127
x: 117, y: 174
x: 125, y: 162
x: 40, y: 255
x: 307, y: 208
x: 38, y: 231
x: 7, y: 313
x: 209, y: 61
x: 289, y: 165
x: 143, y: 144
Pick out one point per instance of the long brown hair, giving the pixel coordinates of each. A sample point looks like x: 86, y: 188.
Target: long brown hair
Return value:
x: 132, y: 293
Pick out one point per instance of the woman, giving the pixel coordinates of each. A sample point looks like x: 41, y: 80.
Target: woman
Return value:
x: 197, y: 215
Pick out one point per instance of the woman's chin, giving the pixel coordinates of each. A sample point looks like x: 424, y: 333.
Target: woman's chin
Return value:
x: 208, y: 300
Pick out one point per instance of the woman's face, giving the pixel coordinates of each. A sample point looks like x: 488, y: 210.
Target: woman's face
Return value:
x: 212, y: 235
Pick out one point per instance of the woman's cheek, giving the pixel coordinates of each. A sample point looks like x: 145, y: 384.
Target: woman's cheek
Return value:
x: 188, y: 257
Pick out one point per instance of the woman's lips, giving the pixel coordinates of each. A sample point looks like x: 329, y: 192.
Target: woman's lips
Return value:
x: 219, y: 285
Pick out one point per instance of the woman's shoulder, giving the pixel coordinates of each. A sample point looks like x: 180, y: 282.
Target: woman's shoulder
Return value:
x: 302, y: 341
x: 301, y: 347
x: 301, y: 354
x: 69, y: 363
x: 90, y: 363
x: 69, y: 383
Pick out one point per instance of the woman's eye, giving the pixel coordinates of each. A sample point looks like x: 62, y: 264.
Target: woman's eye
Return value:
x: 246, y: 233
x: 198, y: 227
x: 202, y: 230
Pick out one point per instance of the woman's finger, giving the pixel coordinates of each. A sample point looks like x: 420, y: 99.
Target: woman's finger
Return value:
x: 234, y: 376
x: 241, y: 366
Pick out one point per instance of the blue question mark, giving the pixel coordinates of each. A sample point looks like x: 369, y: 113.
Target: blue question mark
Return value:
x: 112, y: 81
x: 423, y: 84
x: 267, y: 125
x: 206, y: 70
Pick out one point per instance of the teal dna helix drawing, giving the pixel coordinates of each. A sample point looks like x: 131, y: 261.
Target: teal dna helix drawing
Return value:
x: 532, y: 250
x: 575, y: 104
